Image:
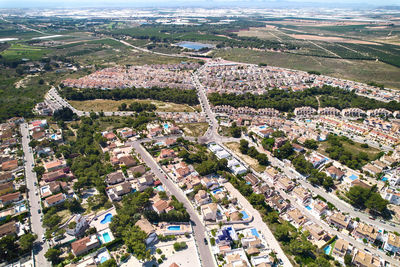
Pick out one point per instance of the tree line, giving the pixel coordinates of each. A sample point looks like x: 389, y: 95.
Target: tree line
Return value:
x: 163, y: 94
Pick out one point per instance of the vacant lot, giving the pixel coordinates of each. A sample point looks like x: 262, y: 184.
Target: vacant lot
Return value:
x: 253, y: 163
x: 357, y: 70
x: 194, y: 129
x: 354, y: 149
x: 112, y: 105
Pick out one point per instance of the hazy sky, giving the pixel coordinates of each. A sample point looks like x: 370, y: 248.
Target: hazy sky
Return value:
x: 188, y: 3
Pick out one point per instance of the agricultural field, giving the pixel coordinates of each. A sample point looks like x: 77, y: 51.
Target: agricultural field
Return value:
x: 112, y: 105
x: 21, y: 51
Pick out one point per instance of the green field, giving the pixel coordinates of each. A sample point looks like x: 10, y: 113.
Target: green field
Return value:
x: 20, y: 51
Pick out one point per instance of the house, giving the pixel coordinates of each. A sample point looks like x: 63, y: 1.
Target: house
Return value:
x: 55, y: 165
x: 38, y: 135
x: 115, y: 178
x: 110, y: 136
x: 302, y: 194
x: 54, y: 200
x: 81, y: 225
x: 137, y: 169
x: 236, y: 257
x: 265, y: 133
x: 9, y: 165
x: 285, y: 183
x: 202, y: 198
x: 319, y: 207
x: 6, y: 188
x: 297, y: 217
x: 358, y: 182
x: 362, y: 259
x: 6, y: 177
x: 128, y: 161
x: 298, y: 148
x: 316, y: 232
x: 161, y: 206
x: 209, y: 211
x: 148, y: 228
x: 8, y: 228
x: 10, y: 198
x: 278, y: 203
x: 334, y: 172
x: 84, y: 245
x: 341, y: 248
x: 392, y: 243
x: 369, y: 168
x: 54, y: 175
x: 167, y: 153
x: 339, y: 220
x: 251, y: 179
x: 366, y: 231
x: 392, y: 196
x: 170, y: 142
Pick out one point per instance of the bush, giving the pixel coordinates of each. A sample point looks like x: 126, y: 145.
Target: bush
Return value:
x: 179, y: 246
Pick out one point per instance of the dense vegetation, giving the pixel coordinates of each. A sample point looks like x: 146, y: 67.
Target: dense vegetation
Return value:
x: 137, y: 107
x: 13, y: 247
x: 287, y: 100
x: 367, y: 198
x: 253, y: 152
x: 314, y: 176
x: 163, y: 94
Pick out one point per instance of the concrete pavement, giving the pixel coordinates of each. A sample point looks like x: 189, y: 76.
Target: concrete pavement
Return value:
x: 40, y: 247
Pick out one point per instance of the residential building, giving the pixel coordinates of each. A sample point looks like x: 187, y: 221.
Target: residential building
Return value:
x: 54, y: 200
x: 339, y: 220
x: 84, y: 245
x: 148, y: 228
x: 392, y: 243
x: 362, y: 259
x: 365, y: 231
x: 209, y: 211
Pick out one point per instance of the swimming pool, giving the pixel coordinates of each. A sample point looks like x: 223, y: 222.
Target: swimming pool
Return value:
x: 262, y: 127
x: 353, y: 177
x: 174, y: 228
x: 217, y: 190
x: 308, y: 207
x: 107, y: 218
x: 308, y: 120
x: 159, y: 188
x: 327, y: 249
x: 166, y: 126
x: 245, y: 216
x: 384, y: 179
x: 255, y: 232
x: 103, y: 259
x: 106, y: 237
x: 159, y: 143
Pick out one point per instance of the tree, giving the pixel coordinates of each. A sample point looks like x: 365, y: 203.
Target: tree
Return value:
x: 268, y: 143
x: 109, y: 263
x: 53, y: 255
x: 311, y: 144
x: 179, y: 246
x: 26, y: 241
x: 64, y: 114
x: 348, y: 260
x: 8, y: 248
x: 376, y: 203
x: 134, y: 238
x: 244, y: 146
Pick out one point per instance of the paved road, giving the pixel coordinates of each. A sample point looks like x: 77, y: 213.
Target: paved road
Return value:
x: 270, y: 238
x: 40, y: 248
x: 198, y: 227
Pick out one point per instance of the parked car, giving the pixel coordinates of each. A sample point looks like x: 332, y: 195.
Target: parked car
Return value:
x: 205, y: 241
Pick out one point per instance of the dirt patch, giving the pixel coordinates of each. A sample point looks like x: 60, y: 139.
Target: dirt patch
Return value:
x: 253, y: 163
x: 329, y: 39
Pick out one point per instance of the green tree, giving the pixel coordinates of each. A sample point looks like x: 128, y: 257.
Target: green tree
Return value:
x: 53, y: 255
x: 26, y: 241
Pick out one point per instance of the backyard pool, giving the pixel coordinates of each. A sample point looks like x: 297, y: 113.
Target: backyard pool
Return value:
x: 174, y: 228
x: 327, y: 249
x: 384, y: 179
x: 166, y: 126
x: 106, y: 237
x: 353, y: 177
x: 245, y: 216
x: 103, y: 259
x: 159, y: 188
x: 308, y: 207
x: 255, y: 232
x: 217, y: 190
x: 106, y: 219
x: 262, y: 127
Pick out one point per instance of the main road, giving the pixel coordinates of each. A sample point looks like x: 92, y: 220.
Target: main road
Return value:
x: 40, y: 247
x: 198, y: 228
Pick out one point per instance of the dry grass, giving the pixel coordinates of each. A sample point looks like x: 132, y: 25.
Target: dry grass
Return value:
x: 112, y: 105
x: 253, y: 163
x: 194, y: 129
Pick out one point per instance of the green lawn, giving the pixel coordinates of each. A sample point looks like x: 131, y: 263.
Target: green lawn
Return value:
x: 20, y: 51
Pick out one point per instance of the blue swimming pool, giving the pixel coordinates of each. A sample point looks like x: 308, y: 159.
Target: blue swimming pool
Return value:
x: 384, y: 179
x: 174, y: 228
x: 160, y: 188
x: 255, y: 232
x: 166, y: 126
x: 106, y: 219
x: 353, y: 177
x: 262, y: 127
x: 308, y: 207
x: 106, y: 237
x: 308, y: 120
x: 103, y: 259
x: 327, y: 249
x: 217, y: 190
x: 245, y: 216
